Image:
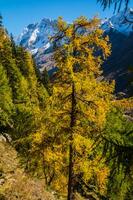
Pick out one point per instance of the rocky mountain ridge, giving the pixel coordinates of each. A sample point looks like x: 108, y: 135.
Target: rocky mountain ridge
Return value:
x: 35, y: 38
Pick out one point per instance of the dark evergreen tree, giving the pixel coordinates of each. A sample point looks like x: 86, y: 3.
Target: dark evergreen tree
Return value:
x: 1, y: 21
x: 27, y: 92
x: 6, y: 104
x: 130, y: 71
x: 46, y: 80
x: 117, y: 4
x: 118, y: 148
x: 13, y: 46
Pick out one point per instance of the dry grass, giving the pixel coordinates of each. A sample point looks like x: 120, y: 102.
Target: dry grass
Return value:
x: 14, y: 183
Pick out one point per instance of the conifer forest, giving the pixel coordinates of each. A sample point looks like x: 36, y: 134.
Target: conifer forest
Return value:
x: 66, y: 108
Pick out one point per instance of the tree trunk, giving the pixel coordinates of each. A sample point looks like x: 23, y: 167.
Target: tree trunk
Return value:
x: 71, y: 150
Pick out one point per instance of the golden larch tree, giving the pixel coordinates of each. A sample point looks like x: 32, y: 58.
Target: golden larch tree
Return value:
x: 76, y: 110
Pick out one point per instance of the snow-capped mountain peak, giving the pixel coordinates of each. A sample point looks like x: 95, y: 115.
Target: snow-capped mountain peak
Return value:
x: 121, y: 22
x: 36, y: 36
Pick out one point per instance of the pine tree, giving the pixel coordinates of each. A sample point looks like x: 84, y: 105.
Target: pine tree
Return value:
x: 13, y: 46
x: 6, y: 104
x: 16, y: 80
x: 46, y: 80
x: 28, y: 94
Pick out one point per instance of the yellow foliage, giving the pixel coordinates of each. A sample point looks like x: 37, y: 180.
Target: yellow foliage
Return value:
x: 102, y: 179
x: 78, y: 94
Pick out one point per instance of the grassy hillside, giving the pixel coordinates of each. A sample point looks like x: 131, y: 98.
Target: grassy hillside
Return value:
x: 14, y: 183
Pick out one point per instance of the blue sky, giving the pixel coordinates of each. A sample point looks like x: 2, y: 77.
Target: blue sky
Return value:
x: 19, y: 13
